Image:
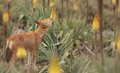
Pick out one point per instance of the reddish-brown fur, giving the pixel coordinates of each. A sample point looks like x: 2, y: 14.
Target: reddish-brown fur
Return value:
x: 28, y: 40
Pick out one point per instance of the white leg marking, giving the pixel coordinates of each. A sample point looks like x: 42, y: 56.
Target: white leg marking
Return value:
x: 10, y: 43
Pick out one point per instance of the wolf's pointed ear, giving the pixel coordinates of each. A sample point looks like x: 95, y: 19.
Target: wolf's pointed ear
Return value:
x: 38, y: 22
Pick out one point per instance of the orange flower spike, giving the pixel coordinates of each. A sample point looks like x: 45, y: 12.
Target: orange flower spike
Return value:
x: 75, y: 5
x: 118, y: 44
x: 96, y: 23
x: 5, y: 17
x: 117, y: 9
x: 114, y: 2
x: 9, y: 1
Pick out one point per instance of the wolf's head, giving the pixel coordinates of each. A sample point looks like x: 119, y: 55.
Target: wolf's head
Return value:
x: 45, y: 24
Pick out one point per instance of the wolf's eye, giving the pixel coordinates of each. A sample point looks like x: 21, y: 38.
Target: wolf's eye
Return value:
x: 43, y: 25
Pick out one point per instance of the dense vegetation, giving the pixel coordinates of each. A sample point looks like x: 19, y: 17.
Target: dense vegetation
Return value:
x: 81, y: 46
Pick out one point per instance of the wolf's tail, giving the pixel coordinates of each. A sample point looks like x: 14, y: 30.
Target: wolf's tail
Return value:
x: 8, y: 54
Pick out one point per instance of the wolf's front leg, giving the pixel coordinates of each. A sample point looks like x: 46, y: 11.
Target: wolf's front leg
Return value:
x: 28, y: 61
x: 13, y: 59
x: 34, y: 55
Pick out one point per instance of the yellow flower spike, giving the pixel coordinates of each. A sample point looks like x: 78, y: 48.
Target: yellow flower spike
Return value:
x: 21, y: 53
x: 96, y: 23
x: 54, y: 65
x: 35, y: 4
x: 114, y: 2
x: 52, y: 3
x: 5, y: 17
x: 53, y: 14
